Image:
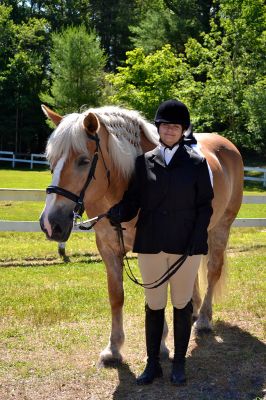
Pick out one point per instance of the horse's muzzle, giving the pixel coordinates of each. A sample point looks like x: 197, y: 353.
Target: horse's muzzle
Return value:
x: 60, y: 226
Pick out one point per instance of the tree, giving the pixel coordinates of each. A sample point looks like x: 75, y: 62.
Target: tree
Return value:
x: 77, y: 63
x: 230, y: 64
x: 59, y: 14
x: 111, y: 20
x: 146, y: 81
x: 21, y: 74
x: 171, y: 22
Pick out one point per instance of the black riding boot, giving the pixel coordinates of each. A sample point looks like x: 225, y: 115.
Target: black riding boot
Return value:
x: 154, y: 322
x: 182, y: 330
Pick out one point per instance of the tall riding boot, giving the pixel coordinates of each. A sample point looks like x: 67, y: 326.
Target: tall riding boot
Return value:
x: 154, y: 322
x: 182, y: 331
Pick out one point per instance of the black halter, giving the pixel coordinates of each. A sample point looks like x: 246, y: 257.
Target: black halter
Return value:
x: 79, y: 200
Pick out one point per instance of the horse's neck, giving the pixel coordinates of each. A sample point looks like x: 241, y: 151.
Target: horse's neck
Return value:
x: 118, y: 183
x: 145, y: 144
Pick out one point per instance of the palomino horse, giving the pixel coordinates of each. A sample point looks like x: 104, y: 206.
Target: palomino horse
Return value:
x: 122, y: 136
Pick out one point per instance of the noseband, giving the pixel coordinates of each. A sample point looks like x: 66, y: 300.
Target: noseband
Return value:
x: 79, y: 200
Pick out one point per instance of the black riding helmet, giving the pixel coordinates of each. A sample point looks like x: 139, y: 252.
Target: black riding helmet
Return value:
x: 172, y: 112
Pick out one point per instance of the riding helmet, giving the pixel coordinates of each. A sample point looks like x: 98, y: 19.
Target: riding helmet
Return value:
x: 172, y: 112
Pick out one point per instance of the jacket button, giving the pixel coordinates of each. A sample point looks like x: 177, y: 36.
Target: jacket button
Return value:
x: 164, y: 212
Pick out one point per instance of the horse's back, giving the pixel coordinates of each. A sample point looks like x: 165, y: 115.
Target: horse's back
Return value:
x: 227, y: 168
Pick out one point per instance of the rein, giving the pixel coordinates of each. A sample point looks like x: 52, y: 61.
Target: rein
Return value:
x: 158, y: 282
x: 79, y: 200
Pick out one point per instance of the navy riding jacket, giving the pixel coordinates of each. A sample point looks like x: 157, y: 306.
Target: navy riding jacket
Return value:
x: 173, y: 201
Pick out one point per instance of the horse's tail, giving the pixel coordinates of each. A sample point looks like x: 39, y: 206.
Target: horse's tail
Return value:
x: 220, y: 286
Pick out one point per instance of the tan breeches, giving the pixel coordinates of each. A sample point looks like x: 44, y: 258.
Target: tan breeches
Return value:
x: 153, y: 266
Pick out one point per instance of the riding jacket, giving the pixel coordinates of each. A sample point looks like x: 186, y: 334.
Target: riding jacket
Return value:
x: 173, y: 201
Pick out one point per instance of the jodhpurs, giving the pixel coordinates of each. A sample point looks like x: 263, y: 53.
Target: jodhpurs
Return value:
x: 153, y: 266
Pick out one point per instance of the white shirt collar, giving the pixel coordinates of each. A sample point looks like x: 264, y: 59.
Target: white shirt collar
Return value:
x: 167, y: 153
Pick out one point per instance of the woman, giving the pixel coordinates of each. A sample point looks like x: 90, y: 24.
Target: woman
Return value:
x: 172, y: 191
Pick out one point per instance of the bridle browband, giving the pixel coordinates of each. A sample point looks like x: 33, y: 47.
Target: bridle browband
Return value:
x: 79, y: 200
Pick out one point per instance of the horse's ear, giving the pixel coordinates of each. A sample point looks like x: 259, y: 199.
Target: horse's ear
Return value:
x: 56, y: 118
x: 91, y: 123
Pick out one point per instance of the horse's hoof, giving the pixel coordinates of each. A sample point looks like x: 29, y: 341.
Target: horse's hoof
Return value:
x: 203, y: 331
x: 109, y: 358
x: 202, y: 325
x: 164, y: 353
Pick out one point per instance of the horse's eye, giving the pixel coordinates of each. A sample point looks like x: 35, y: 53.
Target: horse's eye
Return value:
x: 83, y: 161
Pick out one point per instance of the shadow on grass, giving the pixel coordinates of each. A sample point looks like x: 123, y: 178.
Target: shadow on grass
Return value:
x: 226, y: 364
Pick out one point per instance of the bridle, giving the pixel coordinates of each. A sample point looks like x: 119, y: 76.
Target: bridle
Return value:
x: 79, y: 199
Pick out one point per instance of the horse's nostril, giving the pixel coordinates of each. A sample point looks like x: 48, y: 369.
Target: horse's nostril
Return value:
x: 57, y: 229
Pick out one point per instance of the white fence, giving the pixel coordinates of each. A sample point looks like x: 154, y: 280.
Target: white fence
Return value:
x: 30, y: 158
x: 253, y: 178
x: 39, y: 195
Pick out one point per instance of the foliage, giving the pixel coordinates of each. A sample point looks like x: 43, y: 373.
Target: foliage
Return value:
x: 231, y: 65
x: 171, y: 22
x: 77, y: 63
x: 111, y: 19
x: 145, y: 81
x: 216, y: 63
x: 221, y: 77
x: 22, y: 54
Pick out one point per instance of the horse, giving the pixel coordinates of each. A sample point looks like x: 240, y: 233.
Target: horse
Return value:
x: 108, y: 140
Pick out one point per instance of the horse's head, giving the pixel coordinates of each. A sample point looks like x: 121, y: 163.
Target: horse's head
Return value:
x: 72, y: 151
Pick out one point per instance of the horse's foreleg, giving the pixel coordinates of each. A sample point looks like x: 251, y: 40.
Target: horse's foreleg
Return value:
x: 196, y: 299
x: 116, y: 298
x: 164, y: 351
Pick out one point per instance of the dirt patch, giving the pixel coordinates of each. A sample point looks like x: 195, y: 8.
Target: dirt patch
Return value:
x: 228, y: 363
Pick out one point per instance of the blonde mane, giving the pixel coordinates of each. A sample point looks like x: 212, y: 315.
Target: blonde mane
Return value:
x: 124, y: 128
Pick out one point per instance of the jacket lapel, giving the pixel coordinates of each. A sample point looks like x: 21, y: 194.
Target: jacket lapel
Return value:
x: 156, y: 156
x: 179, y: 157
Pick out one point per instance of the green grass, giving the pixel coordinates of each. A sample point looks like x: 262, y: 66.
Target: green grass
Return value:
x: 24, y: 179
x: 30, y: 211
x: 55, y: 320
x: 49, y: 294
x: 33, y: 247
x: 40, y: 179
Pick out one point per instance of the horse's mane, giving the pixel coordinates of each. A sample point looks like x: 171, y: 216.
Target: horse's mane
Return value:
x: 124, y: 128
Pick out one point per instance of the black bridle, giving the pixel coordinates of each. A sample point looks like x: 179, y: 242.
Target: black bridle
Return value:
x: 79, y: 199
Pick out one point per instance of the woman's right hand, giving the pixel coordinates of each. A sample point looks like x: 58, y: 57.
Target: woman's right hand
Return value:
x: 113, y: 215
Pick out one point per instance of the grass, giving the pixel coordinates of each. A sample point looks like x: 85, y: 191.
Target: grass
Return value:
x: 30, y: 211
x: 24, y: 178
x: 40, y: 179
x: 55, y: 320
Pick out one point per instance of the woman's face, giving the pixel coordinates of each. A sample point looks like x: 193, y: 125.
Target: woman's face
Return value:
x: 170, y: 133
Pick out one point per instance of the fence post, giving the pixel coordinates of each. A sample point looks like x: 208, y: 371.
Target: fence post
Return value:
x: 13, y: 160
x: 31, y: 163
x: 264, y: 182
